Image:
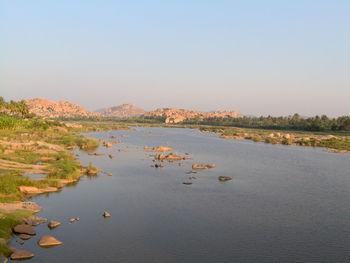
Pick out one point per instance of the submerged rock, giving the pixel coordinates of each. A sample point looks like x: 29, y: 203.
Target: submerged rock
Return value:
x: 107, y: 144
x: 97, y: 154
x: 211, y: 165
x: 111, y: 156
x: 170, y: 157
x: 35, y: 220
x: 48, y: 241
x: 224, y: 178
x: 21, y: 242
x: 24, y: 229
x: 174, y: 157
x: 203, y: 166
x: 24, y: 236
x: 199, y: 166
x: 21, y: 255
x: 157, y: 149
x: 53, y: 224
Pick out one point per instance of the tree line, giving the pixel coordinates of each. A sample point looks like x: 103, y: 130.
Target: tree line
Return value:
x: 15, y: 108
x: 294, y: 122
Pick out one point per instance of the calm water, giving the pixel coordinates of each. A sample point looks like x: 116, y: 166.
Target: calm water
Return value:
x: 285, y: 204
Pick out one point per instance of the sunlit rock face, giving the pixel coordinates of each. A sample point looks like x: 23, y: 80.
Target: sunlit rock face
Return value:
x: 173, y: 115
x: 47, y: 108
x: 122, y: 111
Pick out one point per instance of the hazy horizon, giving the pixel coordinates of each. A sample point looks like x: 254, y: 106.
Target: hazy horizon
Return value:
x: 259, y: 58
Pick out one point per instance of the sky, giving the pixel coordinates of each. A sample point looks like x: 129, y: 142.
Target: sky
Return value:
x: 257, y: 57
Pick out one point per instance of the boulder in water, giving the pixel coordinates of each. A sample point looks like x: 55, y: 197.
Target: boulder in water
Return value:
x: 224, y: 178
x: 53, y: 224
x: 48, y: 241
x: 106, y: 214
x: 21, y: 255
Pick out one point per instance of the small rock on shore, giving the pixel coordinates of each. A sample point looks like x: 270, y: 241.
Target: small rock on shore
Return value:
x: 24, y: 229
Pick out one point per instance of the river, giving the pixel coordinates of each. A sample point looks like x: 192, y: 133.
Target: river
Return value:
x: 284, y: 204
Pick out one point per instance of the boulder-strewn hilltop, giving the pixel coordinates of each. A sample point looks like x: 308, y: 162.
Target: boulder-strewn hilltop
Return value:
x: 173, y: 115
x: 122, y: 111
x: 47, y: 108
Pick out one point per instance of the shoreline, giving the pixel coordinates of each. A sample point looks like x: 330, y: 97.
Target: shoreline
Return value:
x: 21, y: 152
x: 332, y: 143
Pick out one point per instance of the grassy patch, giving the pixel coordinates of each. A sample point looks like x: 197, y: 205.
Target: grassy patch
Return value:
x: 79, y: 141
x: 64, y: 169
x: 340, y: 142
x: 10, y: 181
x: 7, y: 222
x: 22, y: 156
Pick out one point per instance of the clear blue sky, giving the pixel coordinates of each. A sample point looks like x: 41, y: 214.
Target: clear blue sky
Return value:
x: 256, y: 57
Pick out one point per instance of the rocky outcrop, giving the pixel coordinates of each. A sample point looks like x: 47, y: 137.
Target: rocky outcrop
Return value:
x: 47, y: 108
x: 122, y: 111
x: 27, y: 206
x: 35, y: 190
x: 173, y: 115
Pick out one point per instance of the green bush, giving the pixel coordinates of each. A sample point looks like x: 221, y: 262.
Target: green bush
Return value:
x: 64, y: 169
x: 8, y: 122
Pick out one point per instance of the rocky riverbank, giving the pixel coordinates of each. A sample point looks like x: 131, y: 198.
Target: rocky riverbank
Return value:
x: 38, y: 147
x: 334, y: 143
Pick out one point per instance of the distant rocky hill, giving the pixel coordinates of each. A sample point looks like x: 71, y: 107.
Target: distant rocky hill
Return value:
x: 173, y: 115
x: 47, y: 108
x: 122, y: 111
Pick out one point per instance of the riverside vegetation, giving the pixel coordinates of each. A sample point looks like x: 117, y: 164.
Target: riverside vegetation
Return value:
x: 37, y: 146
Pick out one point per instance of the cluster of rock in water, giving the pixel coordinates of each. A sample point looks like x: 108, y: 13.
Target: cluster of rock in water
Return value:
x: 26, y: 230
x: 171, y: 157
